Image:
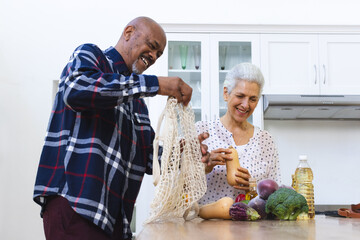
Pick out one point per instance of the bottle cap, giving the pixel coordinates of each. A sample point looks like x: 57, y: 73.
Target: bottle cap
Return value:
x: 302, y: 157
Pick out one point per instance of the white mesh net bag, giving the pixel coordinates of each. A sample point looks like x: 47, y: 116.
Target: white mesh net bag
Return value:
x: 182, y: 181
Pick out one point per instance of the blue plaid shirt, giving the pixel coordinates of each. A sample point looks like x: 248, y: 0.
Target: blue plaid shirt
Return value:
x: 99, y: 139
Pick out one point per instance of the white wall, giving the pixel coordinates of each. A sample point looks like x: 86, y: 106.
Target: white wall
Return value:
x: 37, y: 38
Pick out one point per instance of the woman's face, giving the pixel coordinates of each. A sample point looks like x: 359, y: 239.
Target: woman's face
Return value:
x: 242, y: 101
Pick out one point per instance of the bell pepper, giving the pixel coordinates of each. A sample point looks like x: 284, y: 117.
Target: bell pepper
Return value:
x: 240, y: 197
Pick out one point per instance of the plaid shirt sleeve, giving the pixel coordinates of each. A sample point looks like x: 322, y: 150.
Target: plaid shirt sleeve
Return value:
x: 99, y: 140
x: 90, y: 82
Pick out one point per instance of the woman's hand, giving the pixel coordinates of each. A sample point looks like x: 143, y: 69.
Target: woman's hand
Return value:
x: 218, y: 157
x: 242, y: 179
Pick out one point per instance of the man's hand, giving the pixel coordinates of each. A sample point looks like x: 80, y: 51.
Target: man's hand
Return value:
x: 204, y: 149
x: 175, y: 87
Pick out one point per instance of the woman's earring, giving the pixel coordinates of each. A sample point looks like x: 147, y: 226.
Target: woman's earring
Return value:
x: 225, y: 94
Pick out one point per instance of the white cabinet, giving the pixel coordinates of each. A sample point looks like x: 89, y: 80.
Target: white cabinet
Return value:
x: 339, y: 57
x: 217, y: 53
x: 310, y: 63
x: 289, y: 63
x: 181, y: 50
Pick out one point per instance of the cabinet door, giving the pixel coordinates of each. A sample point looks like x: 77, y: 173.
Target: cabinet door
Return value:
x: 185, y: 56
x: 188, y: 58
x: 228, y: 50
x: 290, y: 63
x: 339, y: 64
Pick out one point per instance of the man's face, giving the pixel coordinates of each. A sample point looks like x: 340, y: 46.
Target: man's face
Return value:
x: 146, y: 45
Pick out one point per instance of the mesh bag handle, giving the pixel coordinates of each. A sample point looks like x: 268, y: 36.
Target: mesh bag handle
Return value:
x: 181, y: 180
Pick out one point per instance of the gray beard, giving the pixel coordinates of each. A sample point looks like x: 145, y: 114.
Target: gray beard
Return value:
x: 134, y: 68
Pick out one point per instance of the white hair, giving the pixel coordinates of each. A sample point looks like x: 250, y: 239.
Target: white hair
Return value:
x: 244, y: 71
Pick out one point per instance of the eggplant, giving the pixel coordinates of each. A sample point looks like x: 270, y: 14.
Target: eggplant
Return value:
x: 242, y: 212
x: 258, y: 204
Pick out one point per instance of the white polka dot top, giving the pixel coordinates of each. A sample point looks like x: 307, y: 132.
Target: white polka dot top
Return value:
x: 259, y: 156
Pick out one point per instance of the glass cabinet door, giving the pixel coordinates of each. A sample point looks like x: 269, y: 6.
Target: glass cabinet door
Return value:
x: 184, y: 62
x: 202, y: 61
x: 187, y: 59
x: 230, y: 50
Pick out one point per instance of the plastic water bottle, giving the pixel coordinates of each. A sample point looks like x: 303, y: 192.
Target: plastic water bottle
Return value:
x: 303, y: 183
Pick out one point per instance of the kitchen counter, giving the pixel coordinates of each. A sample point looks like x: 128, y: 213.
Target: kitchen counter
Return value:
x: 322, y: 227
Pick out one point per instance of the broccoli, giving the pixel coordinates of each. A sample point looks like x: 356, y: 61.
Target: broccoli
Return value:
x: 286, y: 204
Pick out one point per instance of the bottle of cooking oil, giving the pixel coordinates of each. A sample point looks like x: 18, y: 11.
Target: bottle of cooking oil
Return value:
x: 252, y: 193
x: 303, y: 183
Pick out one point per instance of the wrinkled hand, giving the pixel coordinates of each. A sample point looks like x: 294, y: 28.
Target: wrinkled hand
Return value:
x: 219, y: 156
x: 242, y: 178
x: 175, y: 87
x: 204, y: 149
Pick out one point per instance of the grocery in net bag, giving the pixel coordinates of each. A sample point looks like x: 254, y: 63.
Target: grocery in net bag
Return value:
x: 181, y: 181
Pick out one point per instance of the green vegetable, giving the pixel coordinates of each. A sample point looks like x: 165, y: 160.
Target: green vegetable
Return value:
x: 286, y: 204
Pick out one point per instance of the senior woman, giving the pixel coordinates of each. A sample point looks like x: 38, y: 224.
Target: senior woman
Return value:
x: 256, y: 149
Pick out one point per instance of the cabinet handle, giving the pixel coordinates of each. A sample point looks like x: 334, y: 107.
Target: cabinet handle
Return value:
x: 324, y: 68
x: 315, y: 71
